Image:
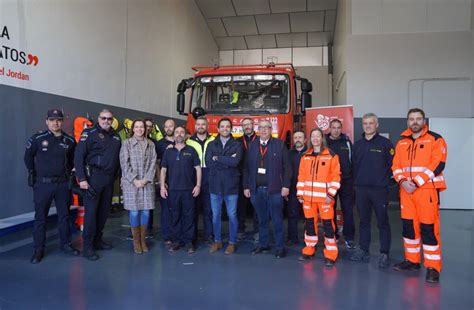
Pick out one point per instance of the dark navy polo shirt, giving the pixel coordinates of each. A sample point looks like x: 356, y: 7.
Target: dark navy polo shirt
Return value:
x: 180, y: 165
x: 161, y: 146
x: 372, y: 161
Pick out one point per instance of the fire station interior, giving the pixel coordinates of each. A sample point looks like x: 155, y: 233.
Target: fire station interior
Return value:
x: 136, y: 58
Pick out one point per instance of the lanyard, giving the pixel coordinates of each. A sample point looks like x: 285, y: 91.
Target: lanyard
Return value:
x: 263, y: 152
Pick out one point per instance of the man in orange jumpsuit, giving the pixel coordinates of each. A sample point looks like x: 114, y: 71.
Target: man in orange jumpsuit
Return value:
x: 419, y: 161
x: 319, y: 179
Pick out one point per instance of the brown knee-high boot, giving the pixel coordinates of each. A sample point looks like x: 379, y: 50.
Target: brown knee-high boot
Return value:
x: 143, y: 230
x: 137, y: 247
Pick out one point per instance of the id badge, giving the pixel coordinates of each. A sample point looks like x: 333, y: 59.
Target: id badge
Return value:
x: 262, y: 171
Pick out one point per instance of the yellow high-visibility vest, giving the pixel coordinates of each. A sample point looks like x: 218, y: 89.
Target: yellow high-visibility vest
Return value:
x: 197, y: 146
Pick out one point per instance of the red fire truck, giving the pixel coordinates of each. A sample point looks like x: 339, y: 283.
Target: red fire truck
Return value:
x: 266, y: 91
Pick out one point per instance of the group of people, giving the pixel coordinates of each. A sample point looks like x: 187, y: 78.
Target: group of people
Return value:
x: 199, y: 173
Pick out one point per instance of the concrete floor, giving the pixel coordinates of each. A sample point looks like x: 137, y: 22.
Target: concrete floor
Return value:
x: 160, y: 280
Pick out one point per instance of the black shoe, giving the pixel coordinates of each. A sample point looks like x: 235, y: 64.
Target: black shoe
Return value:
x: 168, y: 242
x: 210, y: 240
x: 149, y: 235
x: 384, y: 262
x: 360, y: 256
x: 129, y: 237
x: 304, y: 257
x: 90, y: 254
x: 191, y: 248
x: 37, y: 257
x: 329, y: 262
x: 70, y: 250
x: 174, y: 247
x: 406, y: 265
x: 260, y: 250
x: 350, y: 245
x: 101, y: 245
x: 280, y: 253
x: 432, y: 275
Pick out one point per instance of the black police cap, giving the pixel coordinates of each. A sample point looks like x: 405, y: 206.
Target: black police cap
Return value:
x: 55, y: 113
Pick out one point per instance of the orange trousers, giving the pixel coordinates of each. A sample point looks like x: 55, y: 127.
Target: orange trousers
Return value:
x: 420, y: 219
x: 326, y: 211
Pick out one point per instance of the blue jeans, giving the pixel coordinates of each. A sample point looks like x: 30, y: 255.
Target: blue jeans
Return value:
x: 138, y: 218
x: 231, y: 205
x: 269, y: 205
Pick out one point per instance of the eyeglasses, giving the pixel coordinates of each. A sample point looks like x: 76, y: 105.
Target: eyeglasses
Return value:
x: 264, y: 127
x: 108, y: 119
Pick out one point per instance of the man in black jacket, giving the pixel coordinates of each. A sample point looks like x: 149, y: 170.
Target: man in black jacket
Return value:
x: 340, y: 144
x: 294, y: 206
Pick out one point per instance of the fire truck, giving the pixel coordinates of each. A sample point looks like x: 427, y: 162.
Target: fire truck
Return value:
x: 262, y: 91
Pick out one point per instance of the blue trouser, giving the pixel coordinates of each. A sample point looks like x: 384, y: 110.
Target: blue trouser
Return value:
x: 231, y: 206
x: 346, y: 196
x: 43, y: 195
x: 97, y: 207
x: 203, y: 202
x: 377, y: 199
x: 165, y: 218
x: 139, y: 218
x: 293, y: 212
x: 269, y: 205
x: 182, y: 216
x: 242, y: 206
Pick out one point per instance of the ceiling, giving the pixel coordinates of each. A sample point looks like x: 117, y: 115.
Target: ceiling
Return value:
x: 255, y: 24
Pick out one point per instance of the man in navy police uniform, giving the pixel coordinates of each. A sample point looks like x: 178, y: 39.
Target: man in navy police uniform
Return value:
x: 97, y: 165
x: 49, y: 159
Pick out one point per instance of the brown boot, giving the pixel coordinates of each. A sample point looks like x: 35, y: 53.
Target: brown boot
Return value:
x: 216, y: 246
x: 230, y: 249
x: 143, y: 230
x: 137, y: 247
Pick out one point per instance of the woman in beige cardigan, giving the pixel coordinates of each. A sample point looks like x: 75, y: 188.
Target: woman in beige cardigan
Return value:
x: 138, y: 163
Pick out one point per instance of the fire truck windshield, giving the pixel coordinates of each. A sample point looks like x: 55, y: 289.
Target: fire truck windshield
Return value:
x: 242, y: 94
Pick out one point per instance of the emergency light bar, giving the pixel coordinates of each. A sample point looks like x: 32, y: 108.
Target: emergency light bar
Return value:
x: 242, y: 78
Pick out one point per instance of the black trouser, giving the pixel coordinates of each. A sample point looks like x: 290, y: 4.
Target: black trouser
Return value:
x: 203, y: 204
x: 346, y: 196
x: 293, y: 212
x: 43, y: 195
x: 182, y: 216
x: 377, y: 199
x: 97, y: 208
x: 244, y: 204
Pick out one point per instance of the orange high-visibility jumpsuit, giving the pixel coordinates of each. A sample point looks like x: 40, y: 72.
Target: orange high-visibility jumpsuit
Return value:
x: 421, y: 160
x: 319, y: 176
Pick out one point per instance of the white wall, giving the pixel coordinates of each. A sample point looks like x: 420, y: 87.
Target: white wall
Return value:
x: 380, y: 68
x: 127, y: 53
x: 402, y: 16
x: 341, y: 35
x: 398, y: 54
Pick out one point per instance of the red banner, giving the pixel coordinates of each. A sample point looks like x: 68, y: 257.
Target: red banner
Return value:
x: 322, y: 116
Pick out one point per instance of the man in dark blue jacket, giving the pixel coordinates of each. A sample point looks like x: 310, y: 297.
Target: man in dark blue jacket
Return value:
x: 266, y: 181
x: 340, y: 144
x: 97, y: 164
x: 223, y: 156
x: 294, y: 207
x: 372, y: 162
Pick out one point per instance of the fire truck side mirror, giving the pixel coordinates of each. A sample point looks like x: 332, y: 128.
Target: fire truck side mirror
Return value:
x: 305, y: 101
x: 306, y: 86
x: 180, y: 102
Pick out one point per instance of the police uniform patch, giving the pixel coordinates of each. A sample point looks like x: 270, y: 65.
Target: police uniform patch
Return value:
x: 101, y: 135
x: 44, y: 143
x: 83, y: 136
x: 392, y: 151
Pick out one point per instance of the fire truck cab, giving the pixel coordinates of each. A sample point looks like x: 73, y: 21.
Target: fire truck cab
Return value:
x: 249, y: 91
